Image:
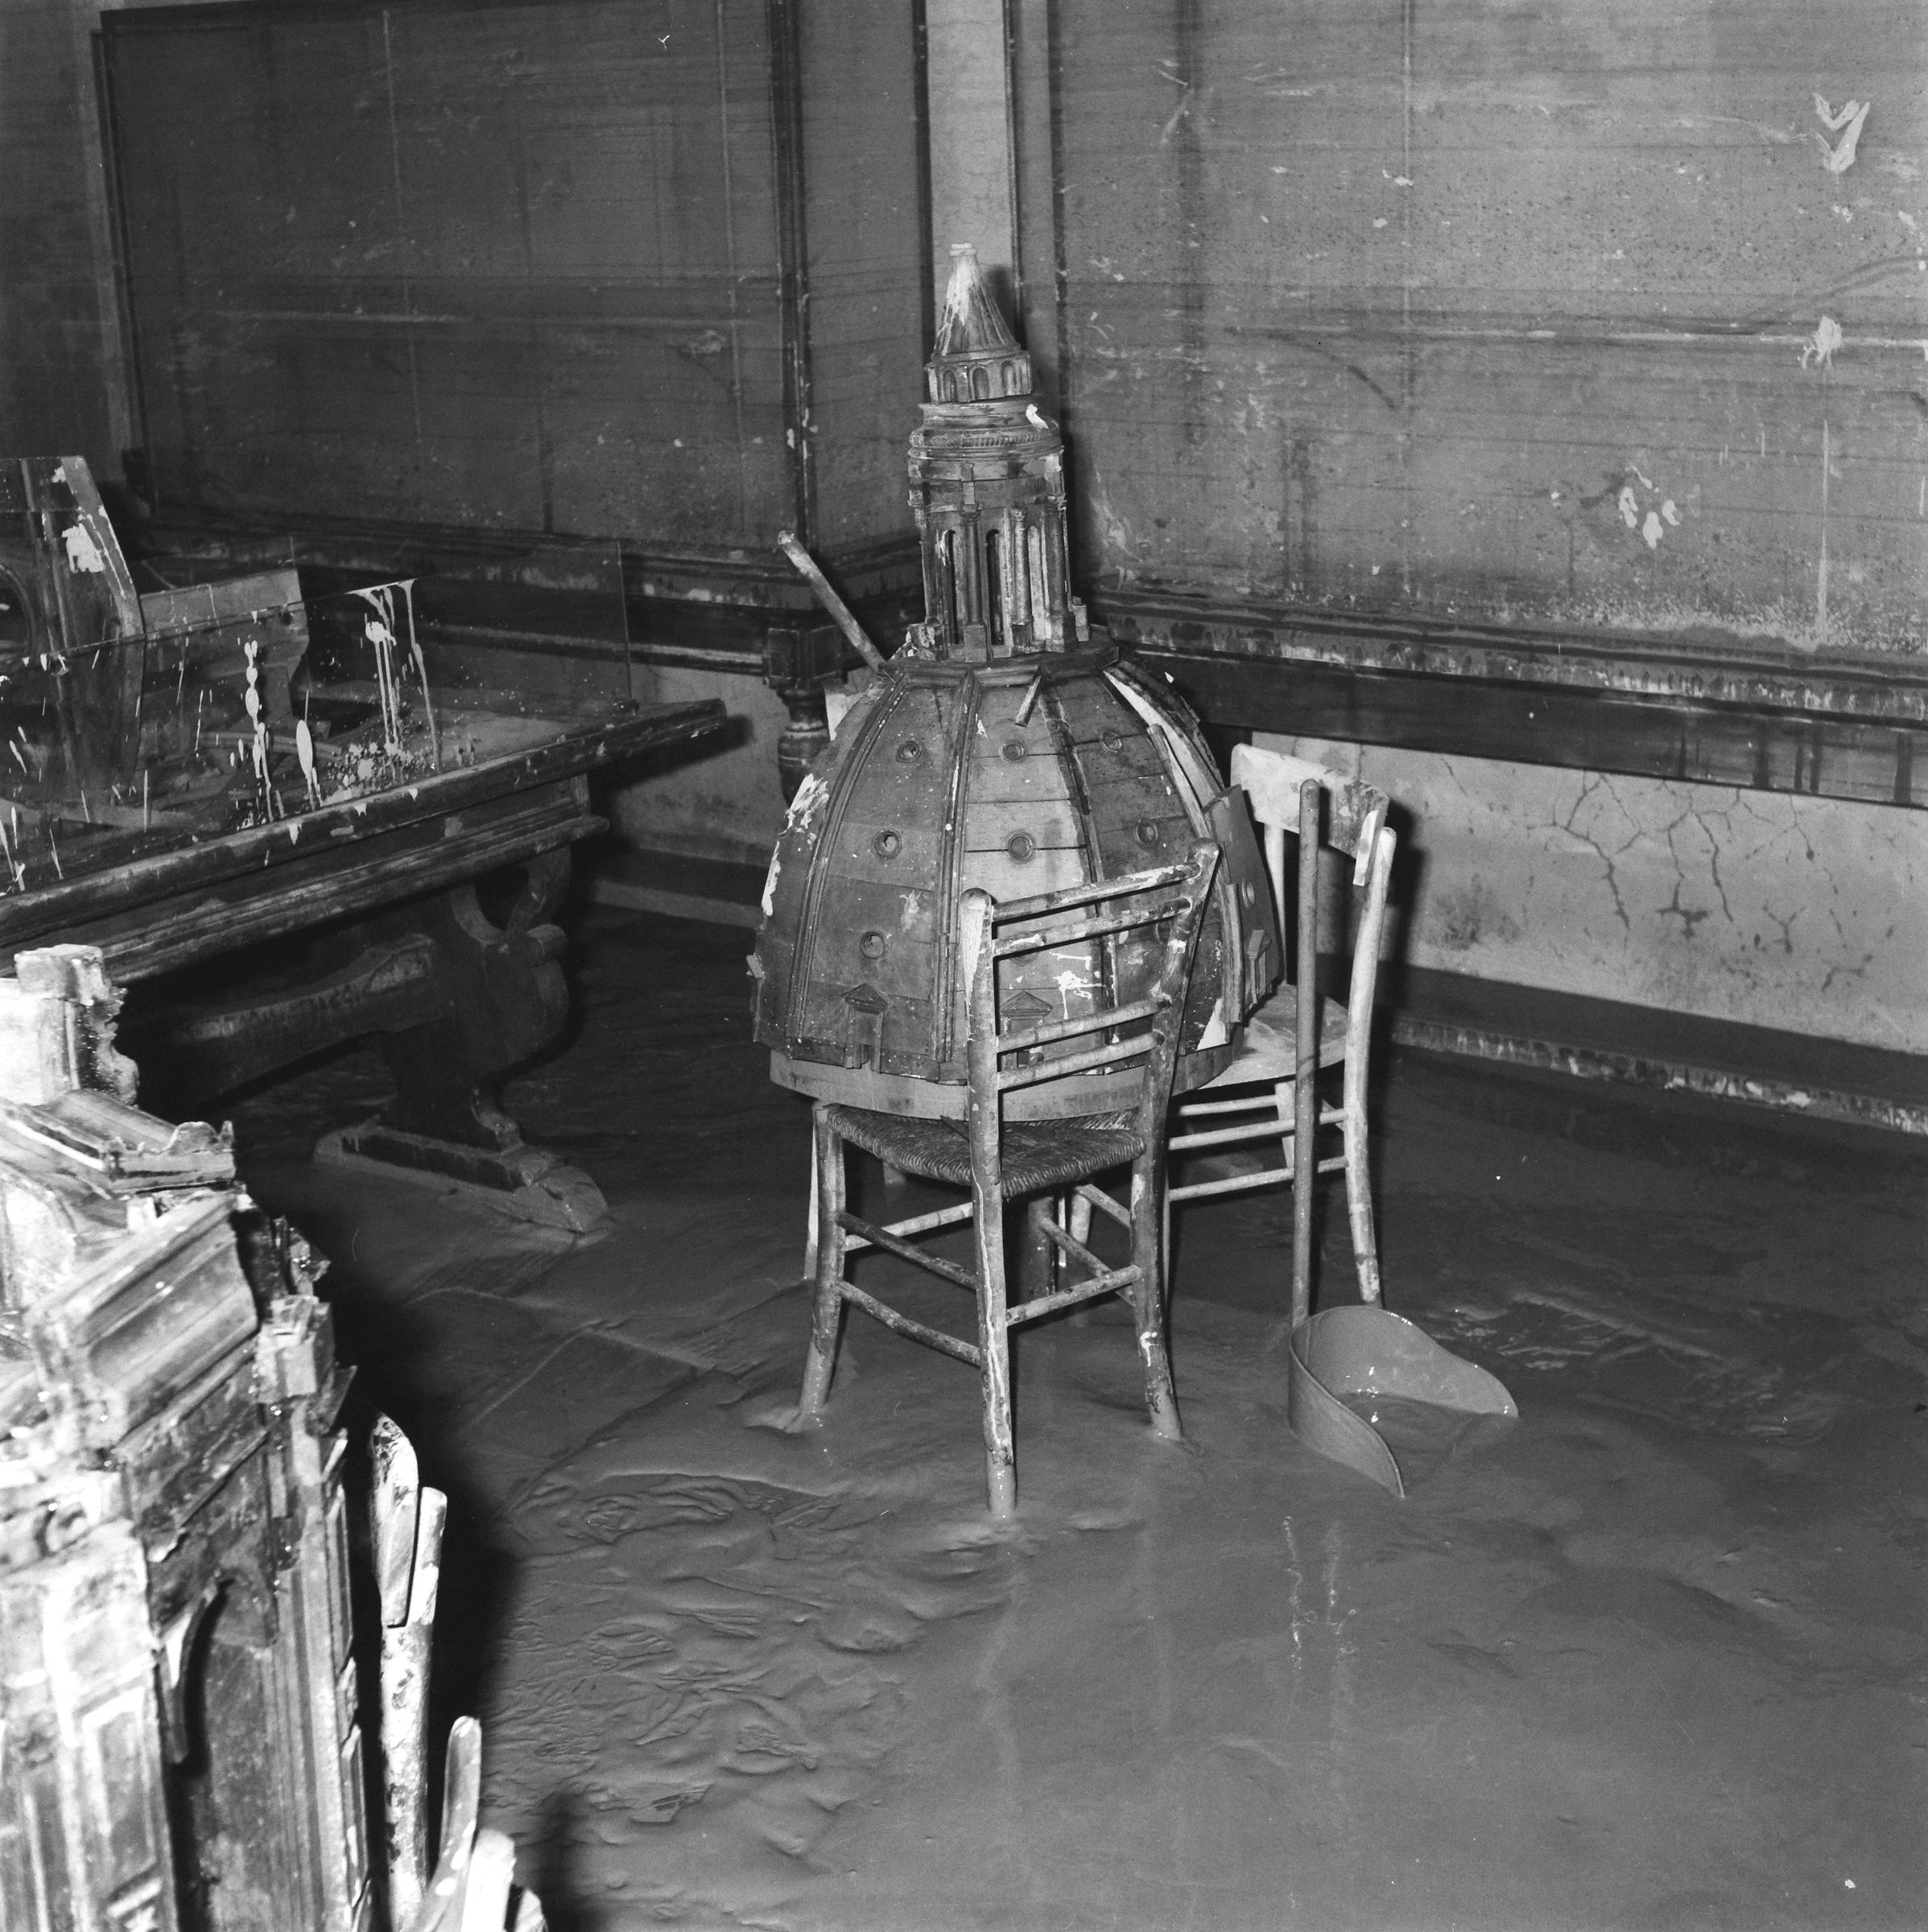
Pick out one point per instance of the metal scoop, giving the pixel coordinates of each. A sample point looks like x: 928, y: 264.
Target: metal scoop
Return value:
x: 1368, y: 1351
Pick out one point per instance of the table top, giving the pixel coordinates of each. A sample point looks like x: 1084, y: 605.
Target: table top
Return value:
x: 491, y: 759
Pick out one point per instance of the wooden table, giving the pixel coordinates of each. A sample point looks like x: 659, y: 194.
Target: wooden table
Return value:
x: 375, y: 898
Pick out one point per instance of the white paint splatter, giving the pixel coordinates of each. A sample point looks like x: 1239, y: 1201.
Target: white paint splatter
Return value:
x: 1652, y: 531
x: 83, y: 553
x: 809, y: 795
x: 770, y: 883
x: 1671, y: 515
x: 1629, y: 506
x: 1840, y: 158
x: 1819, y: 348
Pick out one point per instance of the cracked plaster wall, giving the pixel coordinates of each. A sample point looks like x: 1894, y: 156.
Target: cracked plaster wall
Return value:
x: 1774, y: 910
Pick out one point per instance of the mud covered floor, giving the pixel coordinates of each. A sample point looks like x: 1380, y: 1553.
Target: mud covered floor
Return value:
x: 1651, y: 1656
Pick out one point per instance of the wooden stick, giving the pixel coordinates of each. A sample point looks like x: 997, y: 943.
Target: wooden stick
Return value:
x: 1224, y: 1136
x: 840, y: 611
x: 922, y: 1224
x: 1113, y: 1056
x: 1069, y: 1029
x: 827, y: 1307
x: 1085, y: 929
x: 883, y: 1238
x: 1359, y: 1029
x: 1064, y: 900
x: 1305, y: 1086
x: 918, y: 1332
x: 1077, y: 1249
x: 978, y: 958
x: 1096, y: 1197
x: 1113, y: 1281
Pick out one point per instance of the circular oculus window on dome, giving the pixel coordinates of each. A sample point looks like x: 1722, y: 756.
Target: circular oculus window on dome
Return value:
x: 872, y: 945
x: 1151, y: 835
x: 886, y: 844
x: 1016, y: 750
x: 1021, y: 845
x: 909, y: 751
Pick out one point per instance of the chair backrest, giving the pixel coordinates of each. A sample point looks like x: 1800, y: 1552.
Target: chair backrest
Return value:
x: 1286, y: 794
x: 1144, y: 1029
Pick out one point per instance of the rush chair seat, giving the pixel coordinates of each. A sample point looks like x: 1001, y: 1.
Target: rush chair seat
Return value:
x: 1269, y: 1092
x: 1000, y: 1161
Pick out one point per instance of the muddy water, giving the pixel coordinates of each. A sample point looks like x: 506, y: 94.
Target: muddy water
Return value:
x: 1652, y: 1656
x: 1422, y: 1435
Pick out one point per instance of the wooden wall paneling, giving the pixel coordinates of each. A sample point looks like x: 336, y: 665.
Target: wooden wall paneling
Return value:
x: 471, y: 265
x: 490, y: 292
x: 866, y: 213
x: 1446, y: 317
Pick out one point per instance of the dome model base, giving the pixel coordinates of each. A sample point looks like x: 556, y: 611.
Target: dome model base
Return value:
x: 1022, y: 776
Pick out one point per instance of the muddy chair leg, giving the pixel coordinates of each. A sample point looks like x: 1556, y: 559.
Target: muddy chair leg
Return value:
x: 828, y: 1309
x: 809, y: 1235
x: 994, y: 1350
x: 1148, y: 1217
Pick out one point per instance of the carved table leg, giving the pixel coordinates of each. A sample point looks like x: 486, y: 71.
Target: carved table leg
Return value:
x: 501, y: 998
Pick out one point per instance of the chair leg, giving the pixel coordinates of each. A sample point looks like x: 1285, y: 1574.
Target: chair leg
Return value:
x: 1359, y: 1208
x: 827, y: 1158
x: 1035, y: 1250
x: 1148, y: 1216
x: 994, y: 1345
x: 1079, y: 1224
x: 810, y: 1234
x: 1305, y: 1176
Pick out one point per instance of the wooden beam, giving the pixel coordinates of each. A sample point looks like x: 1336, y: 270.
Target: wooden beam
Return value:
x: 1727, y: 713
x: 1826, y: 756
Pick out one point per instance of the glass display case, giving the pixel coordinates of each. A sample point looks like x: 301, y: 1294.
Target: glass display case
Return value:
x: 136, y: 721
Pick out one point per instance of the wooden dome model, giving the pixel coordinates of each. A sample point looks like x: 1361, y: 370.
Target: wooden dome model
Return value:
x: 1004, y: 746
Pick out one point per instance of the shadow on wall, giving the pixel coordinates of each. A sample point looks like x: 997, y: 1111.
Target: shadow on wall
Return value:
x: 721, y: 800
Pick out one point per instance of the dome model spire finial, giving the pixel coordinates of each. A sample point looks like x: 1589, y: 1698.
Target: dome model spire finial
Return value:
x: 987, y: 472
x: 971, y: 325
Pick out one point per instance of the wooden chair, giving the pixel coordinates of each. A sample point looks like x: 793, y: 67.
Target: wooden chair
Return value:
x: 1288, y: 1039
x: 1002, y: 1160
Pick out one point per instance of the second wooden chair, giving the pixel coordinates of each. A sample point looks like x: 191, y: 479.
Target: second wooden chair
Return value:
x: 1269, y: 1092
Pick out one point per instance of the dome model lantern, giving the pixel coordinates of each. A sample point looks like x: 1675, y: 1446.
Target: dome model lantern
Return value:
x: 1005, y: 746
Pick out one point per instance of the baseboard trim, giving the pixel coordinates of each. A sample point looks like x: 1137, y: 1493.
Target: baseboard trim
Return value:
x: 1805, y: 1099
